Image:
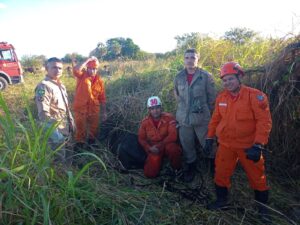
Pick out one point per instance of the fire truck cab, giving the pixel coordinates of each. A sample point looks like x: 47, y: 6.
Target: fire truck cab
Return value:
x: 10, y: 67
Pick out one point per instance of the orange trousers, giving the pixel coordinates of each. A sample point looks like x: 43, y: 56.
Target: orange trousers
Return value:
x: 153, y: 162
x: 226, y: 161
x: 86, y: 125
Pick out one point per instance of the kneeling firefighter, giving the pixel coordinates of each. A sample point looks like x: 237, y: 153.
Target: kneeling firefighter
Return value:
x: 158, y: 137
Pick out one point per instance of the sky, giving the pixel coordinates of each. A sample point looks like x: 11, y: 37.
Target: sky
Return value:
x: 57, y: 27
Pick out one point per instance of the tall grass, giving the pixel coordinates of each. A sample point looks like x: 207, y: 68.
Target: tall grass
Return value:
x: 34, y: 190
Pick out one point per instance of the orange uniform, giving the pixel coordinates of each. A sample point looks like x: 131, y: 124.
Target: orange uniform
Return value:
x: 238, y: 123
x: 164, y: 136
x: 90, y: 93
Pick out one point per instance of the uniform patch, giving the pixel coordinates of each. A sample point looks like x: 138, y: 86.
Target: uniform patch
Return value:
x: 222, y: 104
x: 260, y: 97
x: 262, y: 101
x: 40, y: 92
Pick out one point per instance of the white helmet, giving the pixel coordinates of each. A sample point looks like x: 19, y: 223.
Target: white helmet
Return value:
x: 153, y: 101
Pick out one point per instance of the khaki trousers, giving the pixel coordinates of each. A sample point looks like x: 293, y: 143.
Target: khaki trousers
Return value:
x: 187, y: 135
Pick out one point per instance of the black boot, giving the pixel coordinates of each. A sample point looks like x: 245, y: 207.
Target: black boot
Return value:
x: 212, y: 166
x: 222, y: 199
x: 190, y: 172
x: 263, y: 197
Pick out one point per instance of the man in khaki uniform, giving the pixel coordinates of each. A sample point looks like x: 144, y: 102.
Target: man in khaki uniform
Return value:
x: 195, y: 95
x: 52, y: 103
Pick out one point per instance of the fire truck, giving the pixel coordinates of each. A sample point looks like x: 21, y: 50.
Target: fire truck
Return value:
x: 10, y: 67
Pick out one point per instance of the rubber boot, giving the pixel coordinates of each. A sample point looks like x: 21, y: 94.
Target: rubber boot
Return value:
x: 190, y: 172
x: 222, y: 198
x: 263, y: 211
x: 212, y: 166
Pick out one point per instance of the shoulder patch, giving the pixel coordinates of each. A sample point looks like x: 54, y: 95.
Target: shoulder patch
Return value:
x: 262, y: 101
x: 260, y: 97
x: 40, y: 92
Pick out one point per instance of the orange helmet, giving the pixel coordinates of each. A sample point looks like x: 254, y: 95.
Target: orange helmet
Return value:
x: 93, y: 64
x: 231, y: 68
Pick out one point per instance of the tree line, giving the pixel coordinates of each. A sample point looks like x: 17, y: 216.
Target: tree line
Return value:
x: 125, y: 48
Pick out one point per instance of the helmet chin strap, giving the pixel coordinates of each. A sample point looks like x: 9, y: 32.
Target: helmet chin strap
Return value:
x: 238, y: 77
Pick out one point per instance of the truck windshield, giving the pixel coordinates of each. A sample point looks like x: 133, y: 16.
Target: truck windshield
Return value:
x: 6, y: 55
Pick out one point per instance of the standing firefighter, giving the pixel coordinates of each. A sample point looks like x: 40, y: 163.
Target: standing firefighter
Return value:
x: 158, y: 136
x: 195, y: 94
x: 242, y: 122
x: 52, y: 103
x: 89, y: 97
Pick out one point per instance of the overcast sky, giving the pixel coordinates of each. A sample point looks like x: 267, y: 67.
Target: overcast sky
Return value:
x: 57, y: 27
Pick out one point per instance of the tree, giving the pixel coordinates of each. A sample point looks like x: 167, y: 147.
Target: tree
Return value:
x: 100, y: 51
x: 68, y: 58
x: 33, y: 63
x: 113, y: 49
x: 129, y: 49
x: 190, y: 40
x: 239, y: 35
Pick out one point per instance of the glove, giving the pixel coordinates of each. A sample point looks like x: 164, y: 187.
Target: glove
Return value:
x: 254, y: 153
x: 208, y: 146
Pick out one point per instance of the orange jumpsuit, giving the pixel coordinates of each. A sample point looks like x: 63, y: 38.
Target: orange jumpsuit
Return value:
x: 164, y: 137
x: 238, y: 123
x: 89, y: 94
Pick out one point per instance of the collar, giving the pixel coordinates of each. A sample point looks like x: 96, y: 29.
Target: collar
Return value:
x: 197, y: 75
x: 161, y: 119
x: 47, y: 78
x: 241, y: 92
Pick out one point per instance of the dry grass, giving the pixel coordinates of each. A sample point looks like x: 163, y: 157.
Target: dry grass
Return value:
x: 36, y: 192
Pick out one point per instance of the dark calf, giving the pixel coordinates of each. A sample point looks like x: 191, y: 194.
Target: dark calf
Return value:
x: 124, y: 145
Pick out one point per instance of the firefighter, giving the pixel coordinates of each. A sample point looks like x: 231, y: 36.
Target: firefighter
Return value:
x: 158, y: 135
x: 195, y: 95
x: 242, y: 123
x: 89, y: 98
x: 51, y: 99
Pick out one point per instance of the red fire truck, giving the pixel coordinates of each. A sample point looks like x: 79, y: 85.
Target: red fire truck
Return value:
x: 10, y: 68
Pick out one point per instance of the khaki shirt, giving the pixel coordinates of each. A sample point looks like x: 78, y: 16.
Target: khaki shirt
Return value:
x: 52, y: 103
x: 194, y: 101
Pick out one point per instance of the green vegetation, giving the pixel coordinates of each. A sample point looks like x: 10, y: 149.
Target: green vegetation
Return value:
x: 33, y: 63
x: 118, y: 48
x: 36, y: 191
